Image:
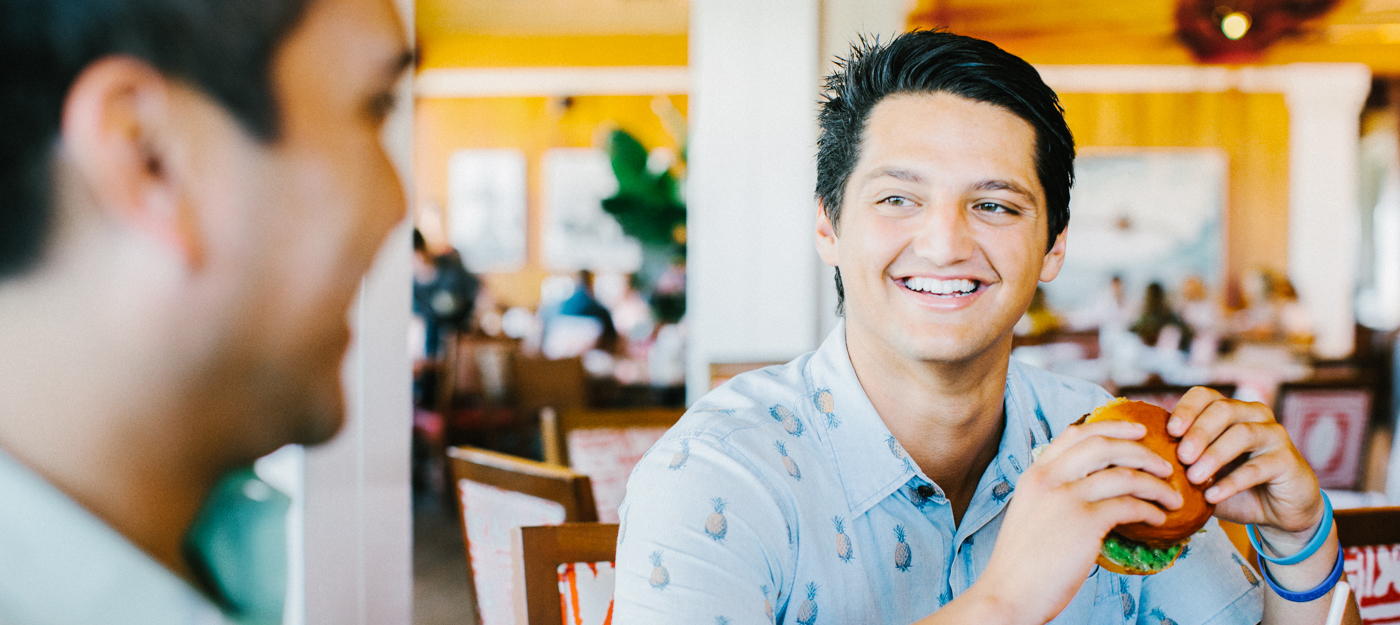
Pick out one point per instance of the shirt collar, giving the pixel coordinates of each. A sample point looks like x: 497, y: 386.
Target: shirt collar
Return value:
x: 872, y: 464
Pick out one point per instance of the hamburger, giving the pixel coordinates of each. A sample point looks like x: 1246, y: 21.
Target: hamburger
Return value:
x: 1139, y: 548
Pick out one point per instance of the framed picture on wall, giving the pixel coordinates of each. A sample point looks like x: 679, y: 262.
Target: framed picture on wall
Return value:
x: 1146, y: 215
x: 1328, y: 426
x: 486, y: 208
x: 578, y: 233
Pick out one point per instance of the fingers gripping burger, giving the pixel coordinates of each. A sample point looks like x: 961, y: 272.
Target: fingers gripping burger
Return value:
x: 1139, y: 548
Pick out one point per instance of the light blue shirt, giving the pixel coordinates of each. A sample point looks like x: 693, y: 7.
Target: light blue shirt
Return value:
x: 61, y: 565
x: 781, y: 497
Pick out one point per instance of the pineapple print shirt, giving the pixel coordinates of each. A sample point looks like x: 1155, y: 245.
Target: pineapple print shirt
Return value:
x: 781, y: 497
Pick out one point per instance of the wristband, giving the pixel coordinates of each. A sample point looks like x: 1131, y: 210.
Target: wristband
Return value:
x: 1307, y: 595
x: 1313, y: 545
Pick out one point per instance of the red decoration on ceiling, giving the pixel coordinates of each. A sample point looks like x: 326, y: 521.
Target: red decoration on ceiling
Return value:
x: 1198, y: 26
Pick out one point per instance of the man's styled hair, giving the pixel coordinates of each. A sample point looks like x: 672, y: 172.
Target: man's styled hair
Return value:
x: 930, y: 61
x: 223, y: 47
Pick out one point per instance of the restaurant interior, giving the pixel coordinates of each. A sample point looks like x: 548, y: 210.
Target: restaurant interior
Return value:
x: 613, y: 213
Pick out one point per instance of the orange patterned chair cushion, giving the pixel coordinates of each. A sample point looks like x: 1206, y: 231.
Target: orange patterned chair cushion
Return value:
x: 607, y: 456
x: 490, y: 514
x: 1374, y: 573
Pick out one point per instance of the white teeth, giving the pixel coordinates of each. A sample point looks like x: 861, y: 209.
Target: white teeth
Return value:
x: 940, y: 287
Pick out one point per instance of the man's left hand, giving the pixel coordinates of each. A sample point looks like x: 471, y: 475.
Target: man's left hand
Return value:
x: 1271, y: 485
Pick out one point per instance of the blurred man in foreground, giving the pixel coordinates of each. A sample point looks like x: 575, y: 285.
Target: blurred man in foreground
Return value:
x: 891, y: 476
x: 190, y: 192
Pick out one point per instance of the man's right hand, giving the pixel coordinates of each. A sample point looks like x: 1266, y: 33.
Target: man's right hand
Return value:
x: 1090, y: 479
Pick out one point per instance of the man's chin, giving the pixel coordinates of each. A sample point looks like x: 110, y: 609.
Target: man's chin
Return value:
x: 319, y: 421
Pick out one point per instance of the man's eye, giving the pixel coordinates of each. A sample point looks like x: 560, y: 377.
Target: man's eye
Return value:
x: 992, y: 207
x: 895, y: 200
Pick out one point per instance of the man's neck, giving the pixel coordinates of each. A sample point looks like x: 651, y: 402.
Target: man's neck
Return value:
x: 84, y: 414
x: 948, y: 416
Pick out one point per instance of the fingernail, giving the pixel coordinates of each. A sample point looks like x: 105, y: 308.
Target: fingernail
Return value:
x: 1194, y: 474
x: 1173, y: 423
x: 1184, y: 450
x: 1212, y: 492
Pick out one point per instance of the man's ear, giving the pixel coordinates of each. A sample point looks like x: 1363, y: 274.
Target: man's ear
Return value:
x: 826, y: 236
x: 119, y: 133
x: 1055, y: 258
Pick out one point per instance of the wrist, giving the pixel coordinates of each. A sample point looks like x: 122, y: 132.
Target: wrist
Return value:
x: 984, y: 605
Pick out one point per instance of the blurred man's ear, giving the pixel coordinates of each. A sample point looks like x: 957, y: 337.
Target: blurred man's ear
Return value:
x: 826, y: 236
x: 118, y: 135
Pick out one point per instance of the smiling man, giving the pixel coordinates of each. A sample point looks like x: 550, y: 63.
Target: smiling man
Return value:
x: 888, y: 477
x: 190, y: 193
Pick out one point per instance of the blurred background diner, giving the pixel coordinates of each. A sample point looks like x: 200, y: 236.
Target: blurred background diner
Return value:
x: 613, y: 208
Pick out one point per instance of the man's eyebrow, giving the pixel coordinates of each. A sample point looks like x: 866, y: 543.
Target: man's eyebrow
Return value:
x: 1003, y: 185
x: 898, y: 174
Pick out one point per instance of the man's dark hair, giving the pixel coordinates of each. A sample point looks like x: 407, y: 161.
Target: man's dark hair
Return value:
x: 930, y: 61
x: 224, y: 48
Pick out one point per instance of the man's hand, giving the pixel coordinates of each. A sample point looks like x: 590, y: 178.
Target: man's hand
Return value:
x: 1272, y: 486
x: 1262, y: 480
x: 1090, y: 479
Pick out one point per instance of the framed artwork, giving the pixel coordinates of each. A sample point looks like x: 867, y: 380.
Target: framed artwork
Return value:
x: 486, y: 208
x: 1144, y: 214
x: 579, y: 234
x: 1328, y: 426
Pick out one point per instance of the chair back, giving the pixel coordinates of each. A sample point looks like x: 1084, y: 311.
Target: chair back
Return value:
x: 542, y: 383
x: 1327, y: 422
x: 721, y: 372
x: 497, y: 493
x: 604, y: 445
x: 1167, y: 395
x: 1370, y: 539
x: 564, y: 573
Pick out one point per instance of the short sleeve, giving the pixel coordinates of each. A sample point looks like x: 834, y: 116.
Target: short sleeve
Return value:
x: 1210, y: 583
x: 703, y: 539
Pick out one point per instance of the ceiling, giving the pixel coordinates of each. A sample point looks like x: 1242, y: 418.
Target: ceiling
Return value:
x: 524, y: 18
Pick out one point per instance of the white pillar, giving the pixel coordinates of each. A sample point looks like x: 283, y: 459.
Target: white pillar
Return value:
x: 752, y: 268
x: 354, y: 565
x: 1324, y: 109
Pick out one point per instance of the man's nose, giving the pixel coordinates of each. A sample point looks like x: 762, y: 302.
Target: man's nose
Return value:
x: 945, y: 236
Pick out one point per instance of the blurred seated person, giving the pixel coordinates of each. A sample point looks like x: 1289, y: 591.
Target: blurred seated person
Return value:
x: 1203, y: 315
x: 1111, y: 311
x: 580, y: 324
x: 1039, y: 319
x: 1272, y: 312
x: 1157, y: 315
x: 1294, y: 322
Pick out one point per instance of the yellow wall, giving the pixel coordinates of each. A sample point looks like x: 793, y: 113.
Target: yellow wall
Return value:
x: 533, y: 125
x: 1252, y: 129
x: 562, y: 51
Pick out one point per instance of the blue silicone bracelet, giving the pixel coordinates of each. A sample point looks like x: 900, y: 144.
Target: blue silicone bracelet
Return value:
x: 1306, y: 595
x: 1313, y: 545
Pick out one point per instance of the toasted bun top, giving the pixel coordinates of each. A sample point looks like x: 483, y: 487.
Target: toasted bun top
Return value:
x: 1194, y: 511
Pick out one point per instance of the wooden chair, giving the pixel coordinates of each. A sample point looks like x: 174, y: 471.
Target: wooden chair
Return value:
x: 721, y: 372
x: 1370, y: 539
x: 497, y: 493
x: 1328, y: 422
x: 604, y: 445
x: 543, y: 383
x: 545, y: 561
x: 1167, y: 395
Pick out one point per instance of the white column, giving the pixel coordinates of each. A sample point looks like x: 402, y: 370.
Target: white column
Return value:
x: 1324, y: 109
x: 752, y: 269
x: 357, y: 531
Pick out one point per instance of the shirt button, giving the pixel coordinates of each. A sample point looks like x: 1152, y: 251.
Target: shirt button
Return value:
x: 925, y: 491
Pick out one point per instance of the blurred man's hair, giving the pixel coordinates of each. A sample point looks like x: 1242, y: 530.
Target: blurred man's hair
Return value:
x: 224, y: 48
x: 927, y: 62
